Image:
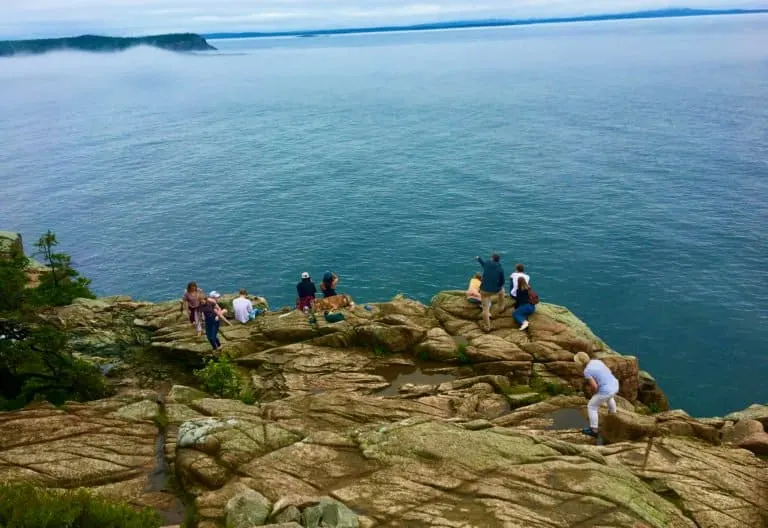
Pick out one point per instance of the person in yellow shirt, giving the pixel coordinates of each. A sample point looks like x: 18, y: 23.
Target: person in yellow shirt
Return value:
x: 473, y: 291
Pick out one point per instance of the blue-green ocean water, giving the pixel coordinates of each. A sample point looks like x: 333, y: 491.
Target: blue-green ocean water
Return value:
x: 625, y: 163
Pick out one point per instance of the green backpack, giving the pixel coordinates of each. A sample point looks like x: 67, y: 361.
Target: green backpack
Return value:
x: 334, y: 317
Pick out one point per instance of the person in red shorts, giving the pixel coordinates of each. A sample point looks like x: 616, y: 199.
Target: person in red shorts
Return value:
x: 306, y: 291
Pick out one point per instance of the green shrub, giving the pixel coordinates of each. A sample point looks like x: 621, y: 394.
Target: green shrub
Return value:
x: 24, y: 506
x: 62, y: 283
x: 549, y: 388
x: 555, y: 389
x: 36, y: 364
x: 13, y: 281
x: 423, y: 355
x: 461, y: 353
x: 380, y: 350
x: 220, y: 377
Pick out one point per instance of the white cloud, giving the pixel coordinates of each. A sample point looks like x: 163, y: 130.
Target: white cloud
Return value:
x: 56, y: 17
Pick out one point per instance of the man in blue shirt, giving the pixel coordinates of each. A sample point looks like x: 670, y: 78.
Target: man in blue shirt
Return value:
x: 492, y: 285
x: 604, y: 387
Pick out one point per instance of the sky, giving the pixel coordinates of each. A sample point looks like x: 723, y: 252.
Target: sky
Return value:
x: 48, y: 18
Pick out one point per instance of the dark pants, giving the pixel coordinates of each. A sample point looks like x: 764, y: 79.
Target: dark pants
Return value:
x: 192, y: 314
x: 522, y: 313
x: 212, y: 332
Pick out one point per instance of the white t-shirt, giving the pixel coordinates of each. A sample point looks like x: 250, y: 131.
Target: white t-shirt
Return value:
x: 606, y: 381
x: 243, y: 308
x: 513, y: 278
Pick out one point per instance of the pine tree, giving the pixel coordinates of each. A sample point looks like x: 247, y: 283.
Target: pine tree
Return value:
x: 62, y: 284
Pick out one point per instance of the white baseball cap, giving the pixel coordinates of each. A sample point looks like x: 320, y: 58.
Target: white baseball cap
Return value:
x: 305, y: 275
x: 214, y: 295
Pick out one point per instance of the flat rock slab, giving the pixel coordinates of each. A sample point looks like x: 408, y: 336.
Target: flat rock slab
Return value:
x: 108, y: 446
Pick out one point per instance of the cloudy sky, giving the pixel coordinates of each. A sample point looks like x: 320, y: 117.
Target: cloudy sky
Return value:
x: 39, y: 18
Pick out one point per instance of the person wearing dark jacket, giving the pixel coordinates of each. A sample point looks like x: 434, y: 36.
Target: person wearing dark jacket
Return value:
x: 491, y: 286
x: 306, y: 291
x: 523, y: 305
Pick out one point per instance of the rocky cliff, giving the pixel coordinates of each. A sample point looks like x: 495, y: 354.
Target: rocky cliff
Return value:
x: 95, y: 43
x: 403, y: 414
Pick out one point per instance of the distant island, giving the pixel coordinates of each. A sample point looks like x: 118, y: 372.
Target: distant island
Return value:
x: 94, y: 43
x: 461, y: 24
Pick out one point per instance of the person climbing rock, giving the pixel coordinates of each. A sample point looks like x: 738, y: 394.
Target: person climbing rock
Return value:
x: 491, y: 285
x: 306, y: 291
x: 604, y: 387
x: 328, y: 286
x: 473, y: 290
x: 519, y: 272
x: 525, y: 304
x: 213, y: 314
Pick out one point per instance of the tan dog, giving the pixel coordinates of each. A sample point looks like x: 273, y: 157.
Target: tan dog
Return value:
x: 330, y: 304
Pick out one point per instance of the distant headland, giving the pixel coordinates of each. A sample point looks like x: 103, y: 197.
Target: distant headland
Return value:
x: 94, y: 43
x: 463, y: 24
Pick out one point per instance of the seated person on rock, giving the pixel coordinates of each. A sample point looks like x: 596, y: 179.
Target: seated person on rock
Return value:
x: 328, y: 286
x: 243, y: 307
x: 604, y: 387
x: 306, y: 291
x: 473, y: 291
x: 525, y: 303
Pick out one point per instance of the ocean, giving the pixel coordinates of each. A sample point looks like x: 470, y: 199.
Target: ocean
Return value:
x: 624, y: 163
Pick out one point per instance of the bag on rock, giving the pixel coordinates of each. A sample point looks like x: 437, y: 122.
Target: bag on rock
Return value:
x: 334, y: 317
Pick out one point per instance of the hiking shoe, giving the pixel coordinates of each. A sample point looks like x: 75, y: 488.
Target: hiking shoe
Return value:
x: 589, y: 432
x: 524, y: 325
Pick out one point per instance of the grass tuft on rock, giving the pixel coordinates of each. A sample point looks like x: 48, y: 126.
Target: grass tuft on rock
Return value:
x: 461, y: 354
x: 25, y: 506
x: 221, y: 377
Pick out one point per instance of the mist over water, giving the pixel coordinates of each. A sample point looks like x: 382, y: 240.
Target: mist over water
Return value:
x: 625, y: 163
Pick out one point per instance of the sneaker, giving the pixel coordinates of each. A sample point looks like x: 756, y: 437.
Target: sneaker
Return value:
x: 524, y: 325
x: 589, y: 432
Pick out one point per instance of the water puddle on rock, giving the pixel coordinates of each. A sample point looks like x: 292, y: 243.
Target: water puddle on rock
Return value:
x: 400, y: 375
x: 170, y: 507
x: 564, y: 419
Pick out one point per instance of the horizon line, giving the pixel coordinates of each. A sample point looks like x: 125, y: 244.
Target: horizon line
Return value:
x: 489, y: 22
x: 670, y: 12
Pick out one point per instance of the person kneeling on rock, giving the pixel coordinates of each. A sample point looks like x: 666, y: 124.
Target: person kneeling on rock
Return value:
x: 604, y: 387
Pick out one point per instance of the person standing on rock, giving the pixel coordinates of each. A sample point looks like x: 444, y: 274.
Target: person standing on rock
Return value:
x: 491, y: 286
x: 525, y: 303
x: 213, y: 314
x: 306, y: 291
x: 519, y: 272
x: 604, y: 387
x: 191, y: 303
